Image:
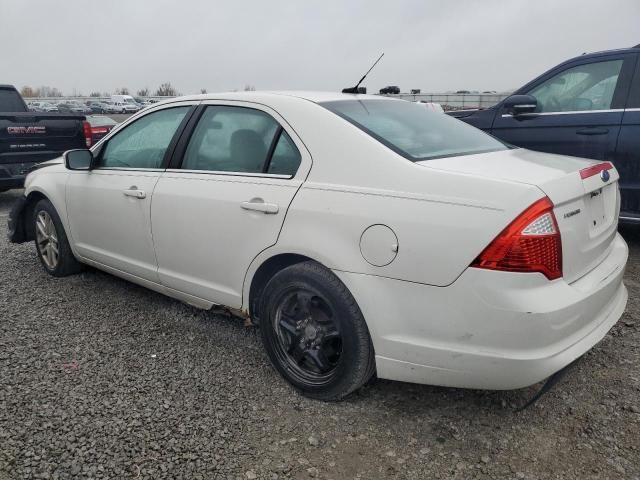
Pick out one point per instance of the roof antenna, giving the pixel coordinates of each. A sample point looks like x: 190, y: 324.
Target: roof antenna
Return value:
x: 357, y: 88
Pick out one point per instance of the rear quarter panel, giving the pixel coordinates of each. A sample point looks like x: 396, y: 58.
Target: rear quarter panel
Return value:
x: 442, y: 220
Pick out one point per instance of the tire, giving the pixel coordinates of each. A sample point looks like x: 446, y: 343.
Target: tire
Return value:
x: 64, y: 263
x: 314, y: 332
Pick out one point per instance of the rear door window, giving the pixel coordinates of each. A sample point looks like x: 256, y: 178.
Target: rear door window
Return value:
x: 240, y: 140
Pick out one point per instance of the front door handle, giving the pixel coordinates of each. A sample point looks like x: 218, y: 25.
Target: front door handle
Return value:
x: 258, y: 205
x: 135, y: 193
x: 592, y: 131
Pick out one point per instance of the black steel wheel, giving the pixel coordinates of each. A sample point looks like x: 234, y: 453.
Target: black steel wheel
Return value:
x: 314, y: 332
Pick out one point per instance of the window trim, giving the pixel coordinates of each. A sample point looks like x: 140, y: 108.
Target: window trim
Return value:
x: 574, y: 112
x: 168, y: 152
x: 633, y: 99
x: 230, y: 173
x: 175, y: 164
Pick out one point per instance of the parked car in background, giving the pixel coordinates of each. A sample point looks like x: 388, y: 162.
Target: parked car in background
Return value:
x: 48, y: 107
x: 27, y: 137
x: 392, y: 89
x: 122, y: 107
x: 588, y: 106
x: 426, y: 252
x: 100, y: 126
x: 78, y: 107
x: 63, y: 107
x: 97, y: 107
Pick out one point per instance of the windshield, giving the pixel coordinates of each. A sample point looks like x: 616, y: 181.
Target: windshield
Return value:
x: 412, y: 130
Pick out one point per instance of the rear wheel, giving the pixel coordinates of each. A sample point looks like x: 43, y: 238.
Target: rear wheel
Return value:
x: 314, y: 332
x: 51, y: 241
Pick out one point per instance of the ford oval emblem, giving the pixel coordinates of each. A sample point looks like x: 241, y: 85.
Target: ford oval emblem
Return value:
x: 604, y: 175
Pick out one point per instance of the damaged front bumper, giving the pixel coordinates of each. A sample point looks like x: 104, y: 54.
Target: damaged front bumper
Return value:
x: 17, y: 231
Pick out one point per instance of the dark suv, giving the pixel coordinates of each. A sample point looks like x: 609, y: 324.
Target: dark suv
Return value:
x: 588, y: 106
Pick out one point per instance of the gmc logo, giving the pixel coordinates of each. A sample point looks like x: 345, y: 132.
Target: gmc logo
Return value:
x: 27, y: 130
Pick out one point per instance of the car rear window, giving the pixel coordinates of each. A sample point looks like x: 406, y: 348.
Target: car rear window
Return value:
x: 412, y: 130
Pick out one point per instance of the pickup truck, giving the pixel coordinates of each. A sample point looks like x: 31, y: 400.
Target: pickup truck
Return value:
x: 588, y: 106
x: 27, y: 138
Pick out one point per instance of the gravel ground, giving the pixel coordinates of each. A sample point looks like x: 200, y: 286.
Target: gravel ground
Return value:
x: 104, y: 379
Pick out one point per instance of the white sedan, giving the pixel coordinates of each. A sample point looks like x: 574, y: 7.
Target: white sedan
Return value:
x: 362, y: 234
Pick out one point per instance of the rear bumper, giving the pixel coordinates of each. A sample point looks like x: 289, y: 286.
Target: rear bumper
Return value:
x: 489, y: 330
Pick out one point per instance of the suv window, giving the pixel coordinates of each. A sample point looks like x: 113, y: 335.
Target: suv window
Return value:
x: 144, y: 143
x: 585, y: 87
x: 240, y: 139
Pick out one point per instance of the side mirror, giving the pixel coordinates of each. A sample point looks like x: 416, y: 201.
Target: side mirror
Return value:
x: 519, y: 104
x: 78, y: 159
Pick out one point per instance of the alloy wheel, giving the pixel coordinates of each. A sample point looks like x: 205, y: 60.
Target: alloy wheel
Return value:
x: 47, y: 239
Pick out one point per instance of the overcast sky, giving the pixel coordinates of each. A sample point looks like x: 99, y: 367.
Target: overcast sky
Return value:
x: 435, y: 45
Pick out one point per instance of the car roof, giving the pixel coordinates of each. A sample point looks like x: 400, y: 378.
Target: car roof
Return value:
x: 607, y: 52
x: 312, y: 96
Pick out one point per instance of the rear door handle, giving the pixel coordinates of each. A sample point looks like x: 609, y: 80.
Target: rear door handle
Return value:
x: 135, y: 193
x: 592, y: 131
x: 258, y: 205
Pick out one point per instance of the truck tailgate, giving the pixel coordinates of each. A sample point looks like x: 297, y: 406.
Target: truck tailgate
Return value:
x: 39, y: 134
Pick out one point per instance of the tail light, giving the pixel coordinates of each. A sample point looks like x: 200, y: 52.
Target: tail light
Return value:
x: 595, y: 169
x: 531, y: 243
x: 86, y: 128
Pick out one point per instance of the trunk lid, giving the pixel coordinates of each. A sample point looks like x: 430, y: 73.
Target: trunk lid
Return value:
x: 586, y: 209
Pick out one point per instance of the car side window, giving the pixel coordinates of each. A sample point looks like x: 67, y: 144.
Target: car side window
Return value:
x: 237, y: 139
x: 286, y: 157
x: 144, y: 143
x: 584, y: 87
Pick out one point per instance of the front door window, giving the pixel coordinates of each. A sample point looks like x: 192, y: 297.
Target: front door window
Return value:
x: 581, y: 88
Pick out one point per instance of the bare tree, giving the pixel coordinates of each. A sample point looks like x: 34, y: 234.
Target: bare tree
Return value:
x: 95, y: 94
x: 249, y: 88
x: 203, y: 90
x: 166, y: 90
x: 122, y: 91
x: 27, y: 91
x: 143, y: 92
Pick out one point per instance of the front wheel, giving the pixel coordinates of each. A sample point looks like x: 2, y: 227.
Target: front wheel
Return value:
x: 51, y: 241
x: 314, y: 332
